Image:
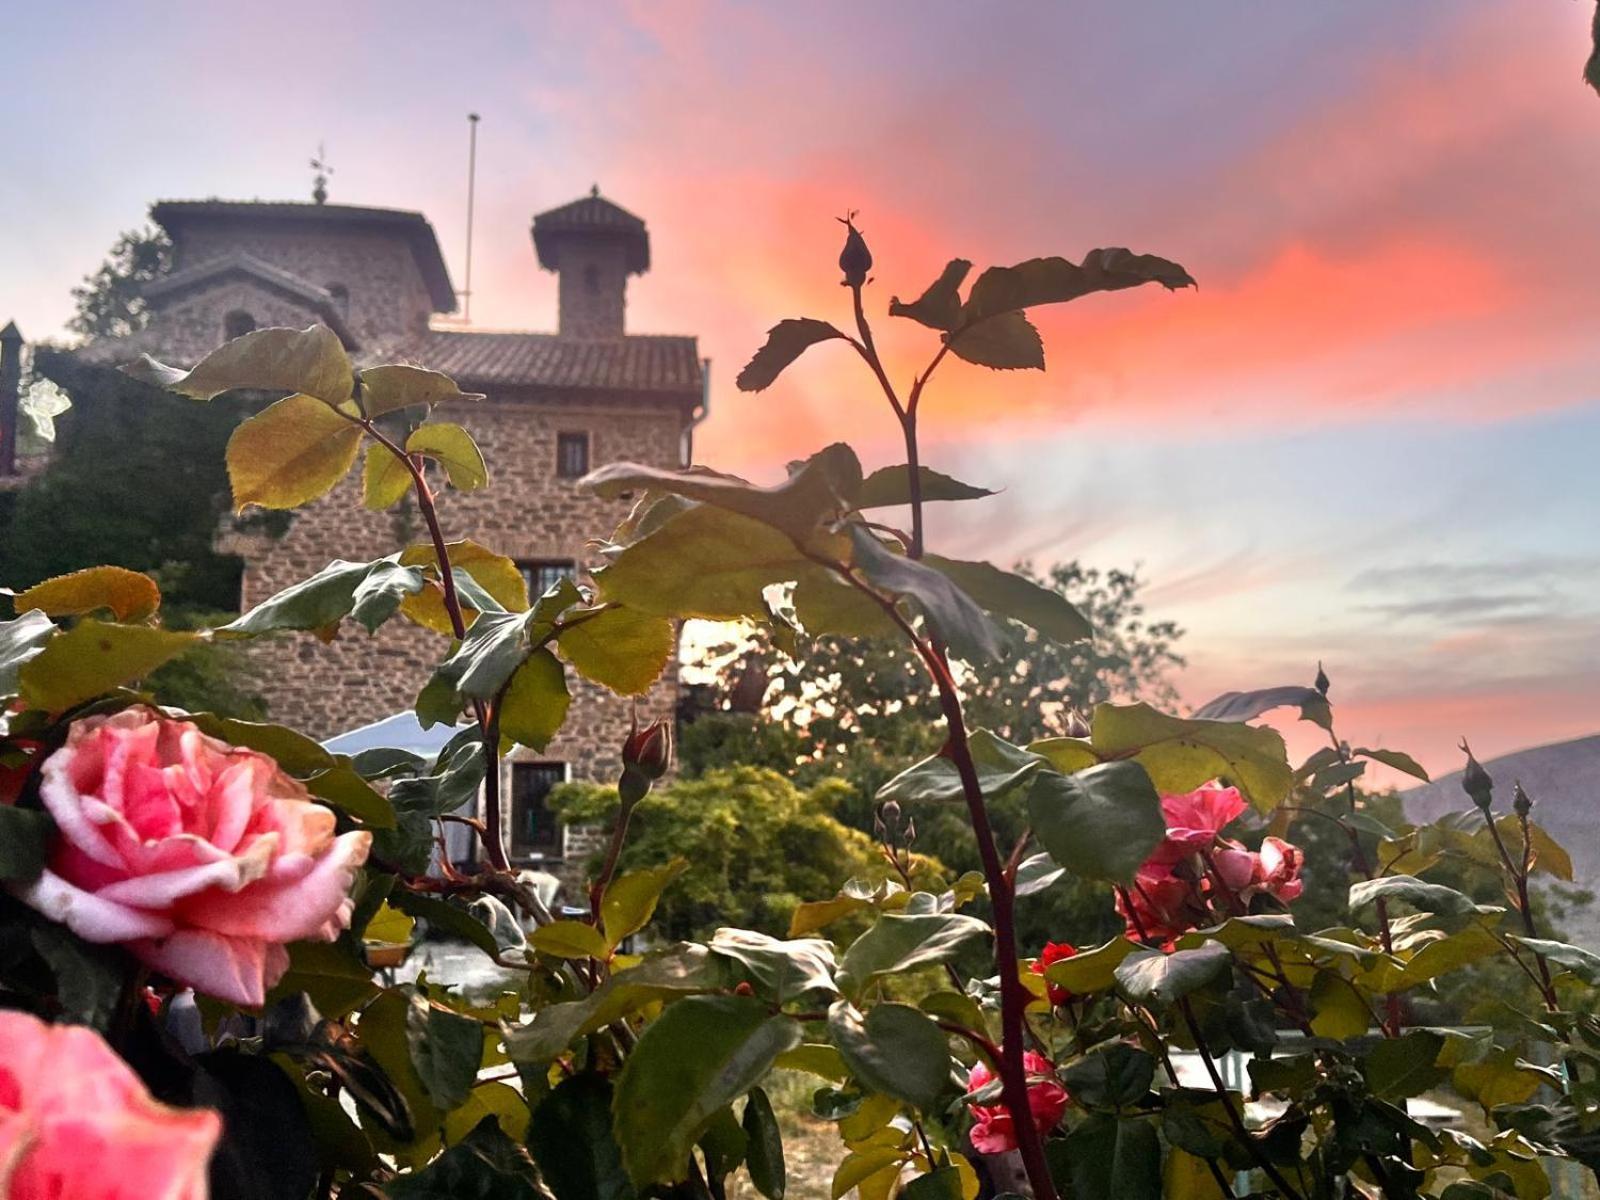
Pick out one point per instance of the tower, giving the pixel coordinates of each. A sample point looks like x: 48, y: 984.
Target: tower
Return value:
x: 593, y: 246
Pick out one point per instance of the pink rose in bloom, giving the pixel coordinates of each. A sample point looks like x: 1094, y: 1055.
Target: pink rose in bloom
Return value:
x: 76, y: 1122
x: 1164, y: 905
x: 1194, y: 819
x: 202, y: 858
x: 1054, y: 952
x: 992, y: 1130
x: 1278, y: 869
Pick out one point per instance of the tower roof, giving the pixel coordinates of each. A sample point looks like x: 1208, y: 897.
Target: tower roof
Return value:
x: 176, y: 215
x: 591, y: 216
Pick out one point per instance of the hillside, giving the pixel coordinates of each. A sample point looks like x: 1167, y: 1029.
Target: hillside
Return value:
x: 1564, y: 781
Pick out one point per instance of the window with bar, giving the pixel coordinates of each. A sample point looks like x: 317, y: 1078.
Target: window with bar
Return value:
x: 542, y: 574
x: 572, y: 455
x: 535, y: 831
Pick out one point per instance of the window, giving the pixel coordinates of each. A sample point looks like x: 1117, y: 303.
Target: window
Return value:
x: 542, y: 574
x: 572, y: 455
x: 237, y: 324
x: 535, y: 832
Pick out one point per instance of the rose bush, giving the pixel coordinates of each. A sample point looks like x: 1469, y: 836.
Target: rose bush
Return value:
x: 992, y: 1128
x: 75, y: 1121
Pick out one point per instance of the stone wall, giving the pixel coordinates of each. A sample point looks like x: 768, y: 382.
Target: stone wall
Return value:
x: 194, y: 325
x: 388, y: 297
x: 593, y: 287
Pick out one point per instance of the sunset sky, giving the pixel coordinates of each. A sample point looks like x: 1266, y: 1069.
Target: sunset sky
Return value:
x: 1370, y: 437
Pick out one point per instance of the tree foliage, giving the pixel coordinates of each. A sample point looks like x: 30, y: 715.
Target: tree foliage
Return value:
x: 110, y: 302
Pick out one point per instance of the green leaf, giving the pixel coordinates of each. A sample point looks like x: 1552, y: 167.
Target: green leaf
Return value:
x: 536, y: 700
x: 93, y: 657
x: 329, y: 973
x: 290, y: 453
x: 392, y: 386
x: 571, y: 1141
x: 485, y: 1165
x: 1116, y: 1075
x: 826, y: 604
x: 818, y: 491
x: 1006, y: 594
x: 703, y: 561
x: 953, y: 615
x: 1180, y: 755
x: 384, y: 478
x: 1500, y: 1077
x: 1428, y: 897
x: 1585, y: 964
x: 894, y: 1049
x: 890, y: 487
x: 723, y: 1145
x: 901, y: 941
x: 699, y: 1056
x: 944, y: 1183
x: 21, y: 640
x: 1101, y: 823
x: 128, y: 595
x: 495, y: 646
x: 1395, y: 759
x: 453, y: 448
x: 1091, y: 970
x: 1152, y: 977
x: 1001, y: 767
x: 89, y: 979
x: 370, y: 592
x: 1247, y: 706
x: 294, y: 751
x: 939, y: 307
x: 618, y: 647
x: 446, y: 917
x: 446, y: 1050
x: 1400, y: 1067
x: 861, y: 1165
x: 786, y: 341
x: 1006, y: 342
x: 764, y: 1155
x: 630, y: 900
x: 1037, y: 873
x: 784, y: 970
x: 25, y: 838
x: 344, y: 789
x: 680, y: 970
x: 311, y: 360
x: 1114, y: 1158
x: 569, y: 939
x: 1337, y: 1009
x: 495, y: 575
x: 1055, y: 281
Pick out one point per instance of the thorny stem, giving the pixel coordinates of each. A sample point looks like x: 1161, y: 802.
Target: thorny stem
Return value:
x: 1014, y: 997
x: 1519, y: 876
x: 487, y: 715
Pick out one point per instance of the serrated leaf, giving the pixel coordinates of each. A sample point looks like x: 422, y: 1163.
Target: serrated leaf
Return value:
x: 1000, y: 767
x: 392, y: 386
x: 784, y: 970
x: 311, y: 360
x: 939, y: 307
x: 1180, y: 754
x: 1100, y: 823
x: 954, y: 616
x: 369, y: 592
x: 630, y: 900
x: 900, y: 942
x: 1055, y: 280
x: 786, y: 341
x: 1116, y: 1075
x: 477, y: 669
x: 1337, y: 1009
x: 453, y: 448
x: 859, y: 1167
x: 618, y: 647
x: 384, y: 478
x: 893, y: 1049
x: 1585, y: 964
x: 569, y: 939
x: 1397, y: 1068
x: 495, y: 574
x: 1428, y: 897
x: 699, y: 1056
x: 1005, y: 342
x: 128, y: 595
x: 536, y: 700
x: 446, y: 1049
x: 94, y: 657
x: 890, y: 487
x: 1154, y: 977
x: 290, y: 453
x: 1007, y: 594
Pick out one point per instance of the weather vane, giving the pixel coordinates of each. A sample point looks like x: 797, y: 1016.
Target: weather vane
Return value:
x: 319, y: 182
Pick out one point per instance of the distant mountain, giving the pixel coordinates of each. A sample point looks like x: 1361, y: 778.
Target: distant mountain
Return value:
x: 1564, y: 782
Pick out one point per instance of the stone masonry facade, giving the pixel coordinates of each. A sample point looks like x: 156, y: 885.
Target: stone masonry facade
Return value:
x: 375, y: 277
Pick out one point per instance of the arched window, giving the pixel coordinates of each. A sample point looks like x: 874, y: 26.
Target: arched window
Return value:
x: 341, y: 298
x: 237, y: 324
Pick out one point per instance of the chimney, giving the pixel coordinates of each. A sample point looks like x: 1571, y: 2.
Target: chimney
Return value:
x: 10, y: 383
x: 593, y: 246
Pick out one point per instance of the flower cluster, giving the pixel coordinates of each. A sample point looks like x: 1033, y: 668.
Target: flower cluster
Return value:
x: 993, y: 1131
x: 1196, y: 875
x: 203, y: 859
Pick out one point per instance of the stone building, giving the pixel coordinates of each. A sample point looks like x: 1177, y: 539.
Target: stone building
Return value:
x: 557, y: 404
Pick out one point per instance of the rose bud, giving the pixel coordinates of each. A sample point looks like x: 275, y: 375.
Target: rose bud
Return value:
x: 1475, y: 781
x: 649, y: 750
x: 1521, y: 802
x: 855, y: 260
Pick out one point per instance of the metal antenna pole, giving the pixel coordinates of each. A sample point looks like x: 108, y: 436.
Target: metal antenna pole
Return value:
x: 472, y: 177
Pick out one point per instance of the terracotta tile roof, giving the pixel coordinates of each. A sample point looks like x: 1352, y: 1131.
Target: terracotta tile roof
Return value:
x: 173, y: 215
x: 636, y: 363
x: 591, y: 216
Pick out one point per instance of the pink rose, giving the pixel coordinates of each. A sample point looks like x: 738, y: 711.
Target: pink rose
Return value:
x: 1054, y: 952
x: 1164, y: 904
x: 993, y: 1131
x: 75, y: 1121
x: 1194, y: 819
x: 1278, y: 869
x: 202, y: 858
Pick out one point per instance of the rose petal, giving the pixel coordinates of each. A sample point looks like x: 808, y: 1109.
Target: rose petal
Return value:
x: 238, y: 969
x: 88, y: 915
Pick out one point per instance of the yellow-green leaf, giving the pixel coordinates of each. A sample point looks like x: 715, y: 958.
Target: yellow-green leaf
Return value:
x: 857, y: 1168
x: 454, y: 448
x: 389, y: 926
x: 311, y: 360
x: 495, y: 573
x: 569, y: 939
x: 384, y: 478
x: 536, y: 701
x: 618, y: 647
x: 290, y: 453
x: 631, y: 900
x: 94, y: 657
x: 129, y: 595
x: 394, y: 386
